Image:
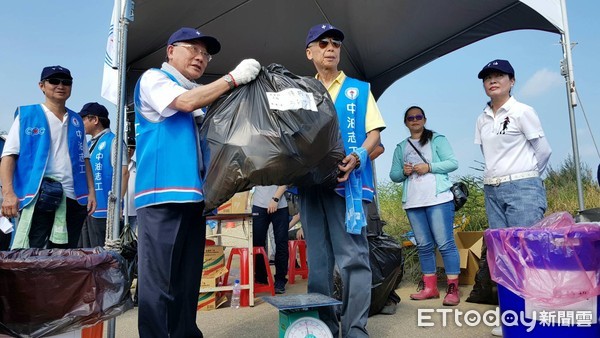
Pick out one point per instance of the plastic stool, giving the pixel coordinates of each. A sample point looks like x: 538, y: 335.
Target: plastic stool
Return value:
x: 294, y: 247
x: 245, y: 275
x: 95, y: 331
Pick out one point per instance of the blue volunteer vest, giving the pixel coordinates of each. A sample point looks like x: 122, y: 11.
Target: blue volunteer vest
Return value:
x: 351, y: 107
x: 167, y: 158
x: 35, y: 140
x: 103, y: 171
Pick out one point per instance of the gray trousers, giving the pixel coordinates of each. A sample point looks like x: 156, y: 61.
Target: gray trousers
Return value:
x: 93, y: 233
x: 323, y: 219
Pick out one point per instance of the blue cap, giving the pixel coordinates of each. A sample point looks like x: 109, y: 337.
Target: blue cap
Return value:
x: 186, y: 34
x: 55, y: 72
x: 93, y: 108
x: 322, y: 29
x: 501, y: 66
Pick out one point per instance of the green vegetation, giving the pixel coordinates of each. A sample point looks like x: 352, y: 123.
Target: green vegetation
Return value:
x: 561, y: 190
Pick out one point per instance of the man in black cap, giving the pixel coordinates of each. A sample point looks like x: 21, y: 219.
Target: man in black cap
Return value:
x: 168, y: 194
x: 102, y: 147
x: 334, y: 220
x: 45, y: 168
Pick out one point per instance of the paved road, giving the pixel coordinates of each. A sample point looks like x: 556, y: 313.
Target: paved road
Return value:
x: 262, y: 319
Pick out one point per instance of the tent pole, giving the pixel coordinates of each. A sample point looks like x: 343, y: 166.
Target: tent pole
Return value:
x: 114, y: 207
x: 567, y: 72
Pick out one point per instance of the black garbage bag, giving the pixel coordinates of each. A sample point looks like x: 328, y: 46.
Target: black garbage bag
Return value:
x: 278, y: 129
x: 485, y: 290
x: 51, y: 291
x: 129, y: 246
x: 588, y: 215
x: 387, y: 268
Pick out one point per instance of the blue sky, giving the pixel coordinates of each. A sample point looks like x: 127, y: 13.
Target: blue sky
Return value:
x: 72, y: 33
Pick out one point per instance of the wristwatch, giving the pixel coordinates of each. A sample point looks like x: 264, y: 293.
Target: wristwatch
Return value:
x: 229, y: 79
x: 276, y: 199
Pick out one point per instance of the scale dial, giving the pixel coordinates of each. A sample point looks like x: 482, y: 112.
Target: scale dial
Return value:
x: 308, y: 327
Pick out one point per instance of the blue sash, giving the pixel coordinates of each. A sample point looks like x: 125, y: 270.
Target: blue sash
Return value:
x: 103, y: 171
x: 351, y: 106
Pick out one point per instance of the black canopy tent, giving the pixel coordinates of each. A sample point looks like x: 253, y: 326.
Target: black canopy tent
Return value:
x: 385, y: 39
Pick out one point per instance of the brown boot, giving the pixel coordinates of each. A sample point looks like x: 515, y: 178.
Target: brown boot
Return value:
x: 427, y: 289
x: 452, y: 297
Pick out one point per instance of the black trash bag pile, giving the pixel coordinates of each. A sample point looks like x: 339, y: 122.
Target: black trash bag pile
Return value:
x: 129, y: 251
x: 485, y: 290
x: 387, y: 268
x: 278, y: 129
x: 51, y: 291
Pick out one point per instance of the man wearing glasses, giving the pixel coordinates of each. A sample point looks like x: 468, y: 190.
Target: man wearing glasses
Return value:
x: 45, y: 148
x: 168, y: 192
x: 335, y: 234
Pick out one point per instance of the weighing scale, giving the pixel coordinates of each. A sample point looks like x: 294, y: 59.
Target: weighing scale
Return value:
x: 298, y: 315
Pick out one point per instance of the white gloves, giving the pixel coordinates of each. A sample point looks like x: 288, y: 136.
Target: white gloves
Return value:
x: 245, y: 72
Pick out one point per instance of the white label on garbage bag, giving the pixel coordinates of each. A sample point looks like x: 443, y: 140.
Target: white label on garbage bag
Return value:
x: 291, y: 99
x: 5, y: 225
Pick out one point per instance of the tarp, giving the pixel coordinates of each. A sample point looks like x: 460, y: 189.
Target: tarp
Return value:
x: 385, y: 39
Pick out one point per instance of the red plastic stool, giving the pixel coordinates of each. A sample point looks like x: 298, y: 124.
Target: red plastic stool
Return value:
x: 94, y: 331
x: 294, y: 247
x: 245, y: 275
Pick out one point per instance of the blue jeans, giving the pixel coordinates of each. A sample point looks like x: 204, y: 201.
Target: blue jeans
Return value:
x: 516, y: 203
x: 432, y: 226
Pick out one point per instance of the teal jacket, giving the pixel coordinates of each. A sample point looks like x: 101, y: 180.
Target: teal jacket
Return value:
x: 443, y: 162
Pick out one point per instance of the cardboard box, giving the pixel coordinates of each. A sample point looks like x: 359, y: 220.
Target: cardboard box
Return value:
x: 238, y: 204
x: 211, y: 252
x: 214, y: 262
x: 469, y: 245
x: 210, y: 300
x: 209, y: 282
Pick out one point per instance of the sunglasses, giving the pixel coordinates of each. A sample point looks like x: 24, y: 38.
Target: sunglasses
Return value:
x: 323, y: 43
x: 56, y: 82
x: 414, y: 117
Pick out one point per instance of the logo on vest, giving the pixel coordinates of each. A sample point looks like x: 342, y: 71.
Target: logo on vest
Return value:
x: 351, y: 93
x: 35, y: 131
x: 102, y: 145
x: 75, y: 122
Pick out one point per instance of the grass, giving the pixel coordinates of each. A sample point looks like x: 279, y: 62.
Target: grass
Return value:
x: 561, y: 190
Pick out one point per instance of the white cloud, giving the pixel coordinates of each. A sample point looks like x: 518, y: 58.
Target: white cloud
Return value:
x: 541, y: 82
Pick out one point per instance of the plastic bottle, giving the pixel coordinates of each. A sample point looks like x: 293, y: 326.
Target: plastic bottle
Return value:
x: 235, y: 295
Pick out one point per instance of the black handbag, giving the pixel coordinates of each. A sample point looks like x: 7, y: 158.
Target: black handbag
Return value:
x: 460, y: 192
x: 458, y: 189
x: 50, y: 196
